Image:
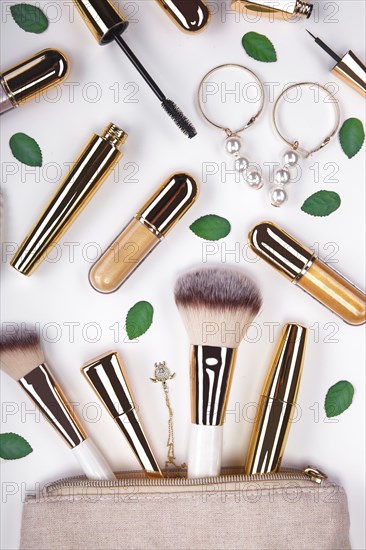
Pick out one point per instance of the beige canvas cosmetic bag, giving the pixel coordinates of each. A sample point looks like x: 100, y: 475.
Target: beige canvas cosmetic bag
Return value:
x: 291, y: 510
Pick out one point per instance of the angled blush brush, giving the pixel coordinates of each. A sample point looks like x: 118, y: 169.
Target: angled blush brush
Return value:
x: 23, y: 360
x: 107, y: 25
x: 216, y: 305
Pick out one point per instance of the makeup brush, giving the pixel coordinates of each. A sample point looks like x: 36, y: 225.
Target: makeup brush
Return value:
x: 106, y: 24
x: 217, y: 305
x: 22, y: 359
x: 348, y: 67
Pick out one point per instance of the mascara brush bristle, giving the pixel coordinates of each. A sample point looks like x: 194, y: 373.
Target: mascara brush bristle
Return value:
x: 217, y: 305
x: 20, y: 352
x: 179, y: 118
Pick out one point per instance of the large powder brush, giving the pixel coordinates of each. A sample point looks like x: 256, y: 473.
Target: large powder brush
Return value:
x: 217, y: 305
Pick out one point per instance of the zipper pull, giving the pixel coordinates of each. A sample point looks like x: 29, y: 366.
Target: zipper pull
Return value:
x: 314, y: 474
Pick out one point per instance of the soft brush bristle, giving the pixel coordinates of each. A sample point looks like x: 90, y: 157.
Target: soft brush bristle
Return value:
x: 179, y: 118
x: 20, y: 352
x: 217, y: 305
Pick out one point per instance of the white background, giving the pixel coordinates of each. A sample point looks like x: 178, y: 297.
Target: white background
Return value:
x: 58, y: 293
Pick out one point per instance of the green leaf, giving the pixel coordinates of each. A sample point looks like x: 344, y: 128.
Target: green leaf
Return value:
x: 338, y: 398
x: 351, y: 136
x: 139, y: 319
x: 13, y: 446
x: 29, y: 18
x: 211, y: 227
x: 259, y: 47
x: 26, y: 149
x: 322, y: 203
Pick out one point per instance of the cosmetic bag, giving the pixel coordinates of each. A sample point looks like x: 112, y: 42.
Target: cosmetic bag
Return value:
x: 290, y: 510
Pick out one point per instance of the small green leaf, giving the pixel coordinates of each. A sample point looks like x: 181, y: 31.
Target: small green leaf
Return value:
x: 26, y: 149
x: 139, y: 319
x: 29, y: 18
x: 351, y: 136
x: 259, y: 47
x: 211, y: 227
x: 338, y: 398
x: 322, y: 203
x: 13, y: 446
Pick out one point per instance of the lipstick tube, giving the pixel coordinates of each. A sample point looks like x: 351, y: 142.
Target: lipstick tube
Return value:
x: 189, y: 15
x: 30, y: 77
x: 47, y: 395
x: 86, y: 176
x: 300, y: 265
x: 108, y: 379
x: 277, y: 403
x: 277, y: 8
x: 144, y: 232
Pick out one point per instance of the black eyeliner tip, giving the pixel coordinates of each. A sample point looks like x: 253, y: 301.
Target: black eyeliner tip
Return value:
x: 310, y: 34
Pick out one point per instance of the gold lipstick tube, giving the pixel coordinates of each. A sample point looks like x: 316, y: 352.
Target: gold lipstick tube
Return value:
x: 300, y: 265
x: 277, y: 403
x: 108, y: 379
x: 30, y: 77
x: 86, y: 176
x: 352, y: 71
x: 41, y: 387
x: 144, y: 232
x: 189, y: 15
x: 212, y: 370
x: 277, y: 8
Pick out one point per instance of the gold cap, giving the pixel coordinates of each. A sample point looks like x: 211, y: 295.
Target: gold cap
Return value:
x: 34, y: 75
x: 353, y: 71
x: 188, y: 15
x: 277, y: 402
x: 168, y: 204
x: 102, y: 19
x: 281, y: 250
x: 108, y: 378
x: 84, y: 179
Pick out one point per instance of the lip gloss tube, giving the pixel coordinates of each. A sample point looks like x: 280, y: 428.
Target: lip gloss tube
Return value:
x: 144, y: 232
x: 189, y: 15
x: 301, y: 266
x: 30, y: 77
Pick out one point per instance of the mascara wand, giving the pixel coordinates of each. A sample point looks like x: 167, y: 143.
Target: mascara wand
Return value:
x: 107, y: 25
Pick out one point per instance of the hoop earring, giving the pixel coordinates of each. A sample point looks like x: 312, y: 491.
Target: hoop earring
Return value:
x: 233, y: 143
x: 282, y: 176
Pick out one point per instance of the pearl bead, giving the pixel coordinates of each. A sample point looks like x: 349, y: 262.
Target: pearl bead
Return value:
x: 254, y: 179
x: 278, y: 196
x: 282, y: 176
x: 241, y: 164
x: 290, y: 158
x: 232, y: 145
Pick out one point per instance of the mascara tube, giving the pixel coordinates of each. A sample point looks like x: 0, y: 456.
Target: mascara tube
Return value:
x: 86, y: 176
x: 30, y: 77
x: 300, y: 265
x: 144, y: 232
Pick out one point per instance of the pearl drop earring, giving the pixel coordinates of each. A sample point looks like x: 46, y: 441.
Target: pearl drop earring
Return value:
x: 233, y: 143
x: 283, y: 176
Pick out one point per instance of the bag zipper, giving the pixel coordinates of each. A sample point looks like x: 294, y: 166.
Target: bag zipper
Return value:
x: 138, y: 479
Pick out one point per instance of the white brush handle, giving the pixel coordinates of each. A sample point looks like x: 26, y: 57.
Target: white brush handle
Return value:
x: 205, y: 449
x: 92, y: 461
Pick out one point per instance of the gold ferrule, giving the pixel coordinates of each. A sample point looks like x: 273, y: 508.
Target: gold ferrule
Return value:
x: 47, y: 395
x: 102, y: 19
x: 169, y: 203
x: 108, y: 379
x: 189, y: 15
x: 277, y: 8
x: 86, y: 176
x: 352, y: 71
x: 212, y: 369
x: 30, y: 77
x: 281, y: 250
x: 300, y: 265
x: 277, y: 402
